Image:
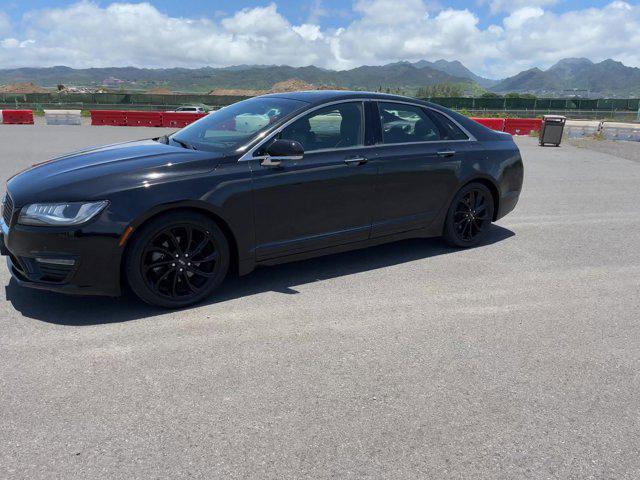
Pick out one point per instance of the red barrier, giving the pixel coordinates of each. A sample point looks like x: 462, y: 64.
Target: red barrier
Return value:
x: 108, y: 117
x: 522, y: 126
x: 492, y: 123
x: 17, y: 117
x: 143, y: 119
x: 180, y: 119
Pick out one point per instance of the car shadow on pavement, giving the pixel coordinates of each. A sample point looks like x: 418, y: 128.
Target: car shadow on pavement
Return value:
x: 80, y: 311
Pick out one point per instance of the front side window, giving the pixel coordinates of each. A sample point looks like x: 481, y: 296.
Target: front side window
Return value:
x: 232, y: 127
x: 336, y: 126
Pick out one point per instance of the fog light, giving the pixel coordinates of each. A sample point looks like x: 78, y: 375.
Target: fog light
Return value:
x: 56, y: 261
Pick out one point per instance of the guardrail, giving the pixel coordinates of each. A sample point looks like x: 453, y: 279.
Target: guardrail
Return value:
x: 133, y: 118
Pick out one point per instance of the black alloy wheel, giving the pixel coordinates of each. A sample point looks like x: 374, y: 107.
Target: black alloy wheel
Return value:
x: 177, y: 260
x: 469, y: 216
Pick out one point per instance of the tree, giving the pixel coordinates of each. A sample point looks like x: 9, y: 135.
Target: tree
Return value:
x: 442, y: 90
x: 519, y: 95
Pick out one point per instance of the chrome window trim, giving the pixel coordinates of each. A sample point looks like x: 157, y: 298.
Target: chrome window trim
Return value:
x: 248, y: 156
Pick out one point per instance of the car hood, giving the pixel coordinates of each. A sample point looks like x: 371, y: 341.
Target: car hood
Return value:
x: 95, y: 172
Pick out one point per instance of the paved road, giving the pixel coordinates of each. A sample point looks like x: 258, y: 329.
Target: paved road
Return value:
x: 518, y: 359
x: 628, y: 150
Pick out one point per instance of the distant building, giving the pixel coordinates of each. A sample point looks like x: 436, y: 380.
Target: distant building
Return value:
x: 112, y: 82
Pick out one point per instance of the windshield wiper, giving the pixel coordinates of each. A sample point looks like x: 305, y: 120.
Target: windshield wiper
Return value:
x: 184, y: 144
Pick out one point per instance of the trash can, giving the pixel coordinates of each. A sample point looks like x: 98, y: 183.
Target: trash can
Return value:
x: 552, y: 128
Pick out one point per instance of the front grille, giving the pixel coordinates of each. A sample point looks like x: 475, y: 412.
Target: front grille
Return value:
x: 39, y: 271
x: 7, y: 209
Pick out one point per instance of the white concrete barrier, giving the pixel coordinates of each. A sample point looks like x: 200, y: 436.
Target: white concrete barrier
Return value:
x: 621, y: 131
x: 582, y: 128
x: 63, y: 117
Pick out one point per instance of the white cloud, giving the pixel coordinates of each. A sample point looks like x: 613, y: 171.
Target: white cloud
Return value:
x: 309, y: 32
x: 5, y: 25
x: 85, y: 34
x: 518, y: 18
x: 541, y: 38
x: 511, y: 5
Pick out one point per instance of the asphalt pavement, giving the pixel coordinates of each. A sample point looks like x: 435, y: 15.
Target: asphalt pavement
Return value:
x: 516, y: 359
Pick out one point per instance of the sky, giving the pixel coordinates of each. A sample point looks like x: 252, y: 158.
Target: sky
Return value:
x: 494, y: 38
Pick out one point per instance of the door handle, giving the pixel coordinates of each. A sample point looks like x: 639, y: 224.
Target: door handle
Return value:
x: 355, y: 160
x: 446, y: 153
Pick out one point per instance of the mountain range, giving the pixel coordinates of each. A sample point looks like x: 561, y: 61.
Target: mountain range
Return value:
x: 569, y: 76
x: 578, y: 76
x: 258, y: 77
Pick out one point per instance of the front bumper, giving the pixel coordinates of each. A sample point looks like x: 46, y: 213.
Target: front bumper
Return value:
x: 73, y: 261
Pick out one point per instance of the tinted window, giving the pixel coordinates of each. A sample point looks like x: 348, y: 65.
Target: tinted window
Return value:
x: 233, y: 126
x: 335, y: 126
x: 448, y: 129
x: 406, y: 123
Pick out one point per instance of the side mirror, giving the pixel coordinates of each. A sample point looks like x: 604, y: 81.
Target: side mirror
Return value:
x: 282, y: 149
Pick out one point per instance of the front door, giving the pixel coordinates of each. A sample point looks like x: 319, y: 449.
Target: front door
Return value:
x: 323, y: 200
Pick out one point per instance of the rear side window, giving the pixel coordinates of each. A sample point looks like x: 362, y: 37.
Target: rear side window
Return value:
x: 448, y: 129
x: 403, y: 123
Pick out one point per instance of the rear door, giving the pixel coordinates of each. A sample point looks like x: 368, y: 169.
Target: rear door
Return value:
x: 418, y: 163
x: 323, y: 200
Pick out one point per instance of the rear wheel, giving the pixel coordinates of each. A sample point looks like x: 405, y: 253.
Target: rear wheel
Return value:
x: 469, y: 216
x: 177, y: 260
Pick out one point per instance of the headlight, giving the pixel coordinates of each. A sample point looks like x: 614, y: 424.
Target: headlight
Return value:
x: 60, y: 214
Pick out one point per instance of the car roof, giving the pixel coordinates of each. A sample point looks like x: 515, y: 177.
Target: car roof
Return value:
x: 322, y: 96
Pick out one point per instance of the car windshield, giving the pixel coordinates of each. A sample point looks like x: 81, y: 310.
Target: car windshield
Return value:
x: 231, y: 127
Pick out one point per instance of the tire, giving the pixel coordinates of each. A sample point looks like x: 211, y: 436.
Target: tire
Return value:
x: 160, y: 266
x: 465, y: 225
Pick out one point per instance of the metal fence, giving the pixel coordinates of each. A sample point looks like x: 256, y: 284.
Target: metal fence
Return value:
x: 618, y: 115
x: 87, y: 101
x: 541, y: 104
x: 604, y: 108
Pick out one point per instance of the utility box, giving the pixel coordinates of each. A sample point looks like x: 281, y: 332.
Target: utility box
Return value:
x: 552, y: 128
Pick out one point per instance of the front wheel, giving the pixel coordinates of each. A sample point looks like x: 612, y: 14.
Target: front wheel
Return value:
x: 177, y: 260
x: 469, y: 216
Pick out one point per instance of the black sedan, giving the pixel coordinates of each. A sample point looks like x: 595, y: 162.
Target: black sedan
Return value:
x: 268, y: 180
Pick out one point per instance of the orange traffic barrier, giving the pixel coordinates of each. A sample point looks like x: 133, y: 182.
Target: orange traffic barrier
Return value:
x: 492, y: 123
x: 108, y: 117
x: 17, y: 117
x: 522, y: 126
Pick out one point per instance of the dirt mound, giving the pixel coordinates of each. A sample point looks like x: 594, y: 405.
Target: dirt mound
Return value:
x: 22, y: 88
x: 160, y: 91
x: 331, y: 87
x: 292, y: 85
